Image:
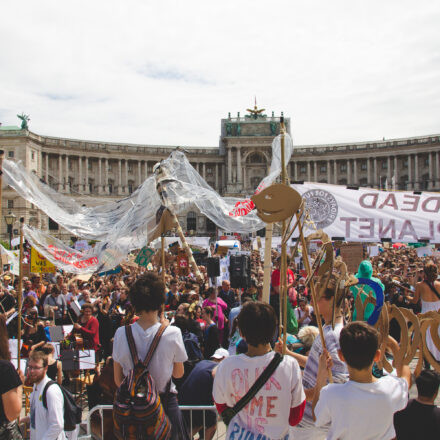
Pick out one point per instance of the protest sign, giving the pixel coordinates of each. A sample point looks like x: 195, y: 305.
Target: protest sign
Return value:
x: 40, y: 264
x: 144, y: 256
x: 369, y: 215
x: 352, y: 254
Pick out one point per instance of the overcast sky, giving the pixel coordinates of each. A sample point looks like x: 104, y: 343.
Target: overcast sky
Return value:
x: 165, y: 72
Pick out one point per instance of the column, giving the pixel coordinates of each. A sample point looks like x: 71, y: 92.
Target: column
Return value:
x: 204, y: 171
x: 216, y: 177
x: 126, y: 177
x: 80, y: 180
x: 229, y: 165
x: 389, y: 171
x: 139, y: 173
x: 438, y: 170
x: 348, y: 172
x: 239, y: 177
x: 335, y: 172
x: 315, y: 171
x: 355, y: 172
x: 46, y: 178
x: 67, y: 188
x: 86, y: 167
x: 410, y: 182
x: 60, y: 173
x: 105, y: 187
x: 416, y: 172
x: 369, y: 172
x: 119, y: 176
x: 99, y: 175
x: 146, y: 169
x: 431, y: 175
x: 309, y: 176
x: 223, y: 184
x: 375, y: 172
x: 395, y: 174
x: 328, y: 171
x: 295, y: 171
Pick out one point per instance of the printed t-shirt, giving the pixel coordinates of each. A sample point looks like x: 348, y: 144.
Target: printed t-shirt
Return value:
x: 363, y: 411
x: 268, y: 412
x: 339, y: 369
x: 170, y: 350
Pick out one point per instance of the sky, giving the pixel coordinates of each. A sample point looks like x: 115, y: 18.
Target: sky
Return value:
x: 166, y: 72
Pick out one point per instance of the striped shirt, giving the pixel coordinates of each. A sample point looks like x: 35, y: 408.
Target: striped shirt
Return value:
x: 339, y: 369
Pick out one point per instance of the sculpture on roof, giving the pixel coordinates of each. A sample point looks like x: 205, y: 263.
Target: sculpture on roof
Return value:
x: 255, y: 112
x: 24, y: 121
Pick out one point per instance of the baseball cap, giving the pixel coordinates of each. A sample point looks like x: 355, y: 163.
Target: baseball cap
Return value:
x: 220, y: 353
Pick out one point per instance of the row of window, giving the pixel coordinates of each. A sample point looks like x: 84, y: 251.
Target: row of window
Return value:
x: 343, y: 166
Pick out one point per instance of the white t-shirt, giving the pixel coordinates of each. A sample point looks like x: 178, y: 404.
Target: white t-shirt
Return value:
x: 169, y: 351
x: 361, y: 411
x: 300, y: 313
x: 268, y: 412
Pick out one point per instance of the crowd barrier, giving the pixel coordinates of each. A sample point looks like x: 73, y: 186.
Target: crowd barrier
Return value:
x: 99, y: 422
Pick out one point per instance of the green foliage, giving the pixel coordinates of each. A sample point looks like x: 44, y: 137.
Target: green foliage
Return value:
x: 5, y: 244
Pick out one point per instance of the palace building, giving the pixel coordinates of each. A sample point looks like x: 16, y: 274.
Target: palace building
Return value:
x: 95, y: 171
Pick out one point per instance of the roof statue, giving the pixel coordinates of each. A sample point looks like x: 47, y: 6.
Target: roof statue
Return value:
x: 24, y: 121
x: 255, y: 113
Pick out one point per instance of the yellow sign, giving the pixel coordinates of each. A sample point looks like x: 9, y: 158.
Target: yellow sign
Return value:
x: 40, y: 264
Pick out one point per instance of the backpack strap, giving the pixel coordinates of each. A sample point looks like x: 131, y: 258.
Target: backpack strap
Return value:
x: 431, y: 285
x: 131, y: 345
x: 44, y: 398
x: 229, y: 413
x: 154, y: 345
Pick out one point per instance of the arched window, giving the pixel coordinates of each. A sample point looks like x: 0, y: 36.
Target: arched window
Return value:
x: 210, y: 225
x: 191, y: 221
x: 255, y: 158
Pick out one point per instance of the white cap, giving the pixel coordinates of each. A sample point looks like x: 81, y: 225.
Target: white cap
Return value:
x: 220, y: 353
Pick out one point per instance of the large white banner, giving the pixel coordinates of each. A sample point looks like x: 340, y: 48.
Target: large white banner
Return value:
x: 370, y: 215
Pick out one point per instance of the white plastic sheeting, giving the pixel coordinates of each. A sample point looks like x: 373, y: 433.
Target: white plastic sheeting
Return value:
x: 130, y: 223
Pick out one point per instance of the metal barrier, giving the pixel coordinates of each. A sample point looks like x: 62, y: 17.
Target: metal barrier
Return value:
x: 109, y: 408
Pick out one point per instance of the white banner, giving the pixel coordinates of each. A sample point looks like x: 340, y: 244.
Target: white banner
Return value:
x: 369, y: 215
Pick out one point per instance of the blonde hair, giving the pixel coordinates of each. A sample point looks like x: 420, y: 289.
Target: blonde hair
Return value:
x: 307, y: 335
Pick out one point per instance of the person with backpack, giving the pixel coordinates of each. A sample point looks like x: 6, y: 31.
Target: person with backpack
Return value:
x: 147, y: 355
x: 46, y: 423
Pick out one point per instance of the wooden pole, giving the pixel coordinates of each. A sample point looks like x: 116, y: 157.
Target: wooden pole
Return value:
x: 267, y: 262
x: 283, y: 265
x: 312, y: 288
x: 20, y: 293
x: 163, y: 258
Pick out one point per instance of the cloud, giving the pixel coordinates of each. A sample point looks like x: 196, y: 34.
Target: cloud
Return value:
x: 167, y: 72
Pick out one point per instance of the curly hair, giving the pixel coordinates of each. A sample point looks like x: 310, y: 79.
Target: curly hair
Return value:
x: 431, y: 271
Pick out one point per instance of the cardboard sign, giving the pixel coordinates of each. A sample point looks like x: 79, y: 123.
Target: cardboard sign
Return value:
x: 182, y: 262
x: 144, y: 256
x: 40, y: 264
x: 352, y: 254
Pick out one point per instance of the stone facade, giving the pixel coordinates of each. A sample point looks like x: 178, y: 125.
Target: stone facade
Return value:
x: 91, y: 171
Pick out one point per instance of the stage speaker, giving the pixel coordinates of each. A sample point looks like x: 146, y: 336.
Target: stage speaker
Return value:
x: 213, y: 267
x: 240, y: 271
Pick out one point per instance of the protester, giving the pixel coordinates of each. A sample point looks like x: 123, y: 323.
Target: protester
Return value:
x: 47, y: 424
x: 10, y: 389
x: 344, y: 406
x: 148, y: 297
x: 211, y: 337
x: 281, y: 399
x: 306, y: 428
x: 219, y: 307
x: 303, y: 313
x: 421, y: 417
x: 197, y: 391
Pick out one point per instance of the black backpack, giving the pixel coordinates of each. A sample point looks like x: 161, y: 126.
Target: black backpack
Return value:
x: 72, y: 412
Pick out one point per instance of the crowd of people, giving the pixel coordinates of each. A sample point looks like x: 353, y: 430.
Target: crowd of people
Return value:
x: 214, y: 343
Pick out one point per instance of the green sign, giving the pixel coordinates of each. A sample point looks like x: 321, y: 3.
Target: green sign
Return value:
x: 144, y: 256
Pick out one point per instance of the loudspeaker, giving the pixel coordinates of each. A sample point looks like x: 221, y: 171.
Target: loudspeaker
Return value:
x: 240, y: 271
x: 213, y: 267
